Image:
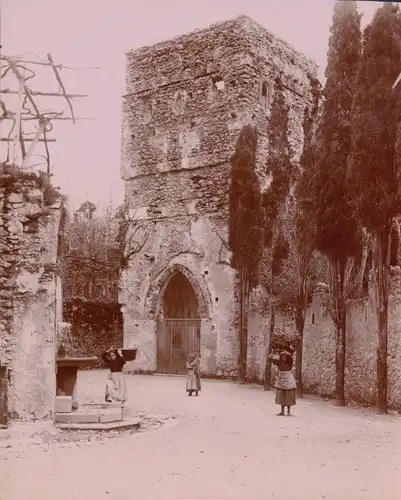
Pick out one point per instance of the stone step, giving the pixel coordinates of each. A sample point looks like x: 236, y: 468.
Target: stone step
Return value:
x: 89, y: 416
x: 104, y: 406
x: 63, y: 404
x: 133, y: 423
x: 113, y: 415
x: 126, y: 413
x: 77, y: 417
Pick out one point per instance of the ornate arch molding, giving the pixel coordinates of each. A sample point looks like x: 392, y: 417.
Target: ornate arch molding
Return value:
x: 158, y: 286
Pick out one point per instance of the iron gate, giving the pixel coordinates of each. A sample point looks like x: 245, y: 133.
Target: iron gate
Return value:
x: 176, y: 339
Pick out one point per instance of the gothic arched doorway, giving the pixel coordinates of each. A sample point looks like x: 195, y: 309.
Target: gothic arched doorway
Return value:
x: 178, y: 332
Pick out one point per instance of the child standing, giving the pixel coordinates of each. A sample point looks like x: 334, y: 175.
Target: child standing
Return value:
x: 116, y: 387
x: 193, y: 379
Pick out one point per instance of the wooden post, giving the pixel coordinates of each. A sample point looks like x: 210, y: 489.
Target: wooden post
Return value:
x: 17, y: 123
x: 33, y: 144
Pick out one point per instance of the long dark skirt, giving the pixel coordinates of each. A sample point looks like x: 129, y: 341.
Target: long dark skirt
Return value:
x: 285, y: 398
x: 193, y: 381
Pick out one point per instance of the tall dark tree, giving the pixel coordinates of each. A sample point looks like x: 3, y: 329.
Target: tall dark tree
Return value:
x: 280, y: 171
x: 375, y: 167
x: 305, y: 224
x: 337, y: 232
x: 245, y: 237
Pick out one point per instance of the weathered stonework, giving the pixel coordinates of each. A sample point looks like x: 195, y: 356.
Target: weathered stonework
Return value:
x: 30, y: 295
x: 319, y: 348
x: 186, y: 102
x: 361, y: 352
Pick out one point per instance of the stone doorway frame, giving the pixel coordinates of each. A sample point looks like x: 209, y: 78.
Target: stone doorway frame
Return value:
x: 154, y: 297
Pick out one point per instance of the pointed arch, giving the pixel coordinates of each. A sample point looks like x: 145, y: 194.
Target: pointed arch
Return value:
x: 154, y: 296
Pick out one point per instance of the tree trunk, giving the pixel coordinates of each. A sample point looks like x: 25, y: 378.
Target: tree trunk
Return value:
x: 366, y: 247
x: 337, y: 270
x: 300, y: 324
x: 268, y: 367
x: 298, y: 367
x: 267, y: 379
x: 382, y: 362
x: 382, y: 319
x: 243, y: 337
x: 340, y: 345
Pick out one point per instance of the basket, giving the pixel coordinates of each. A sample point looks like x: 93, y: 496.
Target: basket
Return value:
x: 129, y: 354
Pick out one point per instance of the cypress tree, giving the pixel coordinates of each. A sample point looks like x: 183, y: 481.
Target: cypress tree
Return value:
x: 280, y: 171
x: 336, y: 225
x: 375, y: 167
x: 245, y: 227
x: 305, y: 226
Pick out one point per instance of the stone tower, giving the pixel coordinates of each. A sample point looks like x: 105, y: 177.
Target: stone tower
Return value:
x: 186, y: 102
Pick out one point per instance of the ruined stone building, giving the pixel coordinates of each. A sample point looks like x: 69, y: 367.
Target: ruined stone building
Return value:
x: 185, y: 104
x: 31, y: 220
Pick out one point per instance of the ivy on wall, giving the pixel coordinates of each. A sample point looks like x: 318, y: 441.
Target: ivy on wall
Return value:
x: 95, y: 326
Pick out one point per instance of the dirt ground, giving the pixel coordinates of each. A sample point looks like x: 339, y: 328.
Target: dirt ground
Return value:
x: 227, y: 444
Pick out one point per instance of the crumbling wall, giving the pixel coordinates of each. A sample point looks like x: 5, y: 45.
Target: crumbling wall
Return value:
x: 30, y: 296
x: 187, y: 98
x: 186, y: 102
x: 319, y: 347
x: 361, y: 349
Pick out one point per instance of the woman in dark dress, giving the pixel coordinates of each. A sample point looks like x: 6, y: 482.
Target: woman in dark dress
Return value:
x: 116, y: 387
x: 285, y: 383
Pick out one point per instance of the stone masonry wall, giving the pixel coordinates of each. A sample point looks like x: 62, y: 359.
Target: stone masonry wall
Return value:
x: 193, y: 248
x: 187, y: 98
x: 320, y: 345
x: 30, y: 295
x: 319, y: 353
x: 186, y: 102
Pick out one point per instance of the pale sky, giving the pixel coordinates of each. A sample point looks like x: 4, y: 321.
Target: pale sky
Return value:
x: 83, y: 33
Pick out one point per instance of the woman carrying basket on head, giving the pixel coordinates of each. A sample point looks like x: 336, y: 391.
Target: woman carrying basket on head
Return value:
x: 285, y: 382
x: 116, y: 387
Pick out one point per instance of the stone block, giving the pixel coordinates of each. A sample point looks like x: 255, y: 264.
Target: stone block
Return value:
x: 110, y: 415
x: 77, y: 417
x: 15, y: 227
x: 15, y: 198
x: 126, y: 413
x: 63, y: 404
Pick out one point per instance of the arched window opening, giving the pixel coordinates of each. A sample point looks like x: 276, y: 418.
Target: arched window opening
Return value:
x: 266, y: 97
x: 218, y: 82
x: 264, y: 94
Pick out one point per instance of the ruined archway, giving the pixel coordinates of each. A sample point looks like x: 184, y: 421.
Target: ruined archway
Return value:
x: 178, y: 324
